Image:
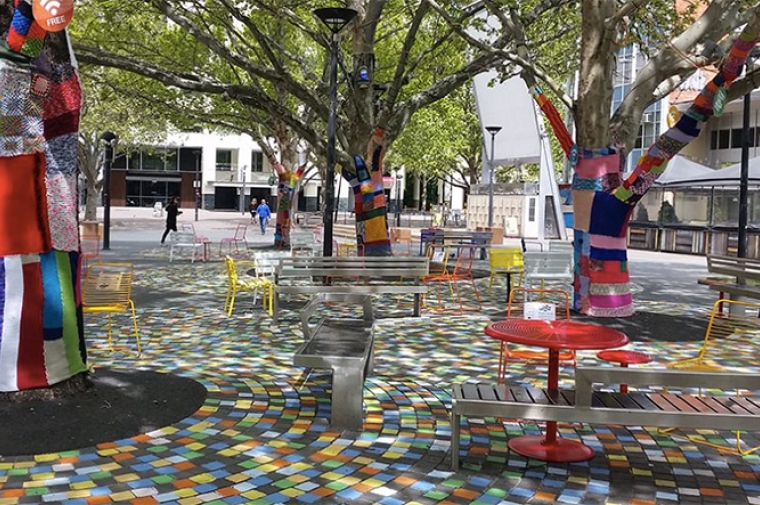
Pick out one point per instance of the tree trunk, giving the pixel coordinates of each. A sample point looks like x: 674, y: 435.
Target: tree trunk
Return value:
x: 42, y: 329
x: 91, y: 205
x: 602, y: 282
x: 370, y: 205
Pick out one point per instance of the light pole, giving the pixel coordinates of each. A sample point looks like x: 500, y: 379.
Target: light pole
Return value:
x: 399, y: 178
x: 109, y: 138
x: 741, y: 250
x: 493, y: 130
x: 197, y: 181
x: 335, y: 18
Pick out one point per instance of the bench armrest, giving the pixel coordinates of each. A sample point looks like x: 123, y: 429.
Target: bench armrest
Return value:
x: 586, y: 377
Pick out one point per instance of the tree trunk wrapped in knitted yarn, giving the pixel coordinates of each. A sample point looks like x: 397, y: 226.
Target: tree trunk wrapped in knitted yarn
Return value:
x: 42, y: 338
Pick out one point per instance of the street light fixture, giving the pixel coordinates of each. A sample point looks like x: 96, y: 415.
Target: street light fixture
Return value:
x: 335, y: 18
x: 109, y: 138
x: 493, y: 130
x: 197, y: 181
x: 741, y: 250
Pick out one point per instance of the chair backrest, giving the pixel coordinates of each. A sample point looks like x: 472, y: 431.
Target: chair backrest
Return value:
x: 729, y: 318
x: 108, y: 284
x: 510, y: 258
x: 189, y: 227
x: 90, y: 245
x: 182, y: 238
x: 465, y: 257
x: 240, y: 231
x: 266, y: 262
x: 548, y: 264
x: 232, y: 275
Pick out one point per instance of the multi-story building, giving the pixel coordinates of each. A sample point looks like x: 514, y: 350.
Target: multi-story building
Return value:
x: 226, y: 170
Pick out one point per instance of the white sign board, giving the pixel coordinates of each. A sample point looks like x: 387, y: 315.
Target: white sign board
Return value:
x: 539, y: 310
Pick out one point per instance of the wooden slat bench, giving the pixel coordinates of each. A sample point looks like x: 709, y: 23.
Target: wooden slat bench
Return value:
x: 366, y: 275
x: 584, y: 405
x: 745, y: 275
x: 345, y: 346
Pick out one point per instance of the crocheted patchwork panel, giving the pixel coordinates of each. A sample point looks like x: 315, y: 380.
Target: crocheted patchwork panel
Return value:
x: 61, y: 154
x: 24, y: 226
x: 38, y: 292
x: 21, y: 104
x: 62, y: 210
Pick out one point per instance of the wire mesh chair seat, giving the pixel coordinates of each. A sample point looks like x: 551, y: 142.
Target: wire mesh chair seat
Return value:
x: 108, y: 288
x: 724, y: 328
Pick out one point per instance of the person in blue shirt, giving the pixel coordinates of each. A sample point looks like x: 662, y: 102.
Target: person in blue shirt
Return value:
x: 264, y: 213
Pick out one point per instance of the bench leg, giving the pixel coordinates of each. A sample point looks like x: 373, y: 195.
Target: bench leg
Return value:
x: 417, y: 304
x: 455, y: 419
x: 347, y: 398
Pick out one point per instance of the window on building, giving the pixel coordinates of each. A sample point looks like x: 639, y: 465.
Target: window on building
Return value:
x: 724, y: 137
x: 736, y: 138
x: 257, y: 161
x: 160, y: 159
x: 224, y: 159
x: 145, y: 193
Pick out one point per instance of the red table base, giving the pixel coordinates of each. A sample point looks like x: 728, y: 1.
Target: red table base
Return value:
x: 559, y: 451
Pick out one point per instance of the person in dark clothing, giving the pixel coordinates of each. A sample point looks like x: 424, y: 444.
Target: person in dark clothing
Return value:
x: 172, y: 211
x: 252, y: 209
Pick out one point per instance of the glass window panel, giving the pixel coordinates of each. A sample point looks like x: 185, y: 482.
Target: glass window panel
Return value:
x: 223, y: 159
x: 257, y: 161
x: 736, y: 138
x: 723, y: 139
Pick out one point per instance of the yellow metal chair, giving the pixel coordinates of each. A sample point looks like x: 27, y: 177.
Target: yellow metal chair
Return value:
x: 728, y: 319
x: 507, y: 261
x: 108, y: 288
x: 252, y: 284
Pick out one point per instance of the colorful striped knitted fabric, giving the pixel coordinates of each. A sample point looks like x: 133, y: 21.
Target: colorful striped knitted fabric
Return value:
x: 41, y: 326
x: 25, y: 35
x: 603, y: 205
x: 555, y: 121
x: 287, y: 188
x: 369, y: 199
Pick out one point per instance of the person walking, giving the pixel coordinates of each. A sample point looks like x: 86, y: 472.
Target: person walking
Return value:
x: 252, y: 209
x: 172, y: 211
x: 263, y: 212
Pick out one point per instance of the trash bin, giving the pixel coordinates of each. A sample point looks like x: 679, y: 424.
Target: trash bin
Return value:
x: 158, y: 209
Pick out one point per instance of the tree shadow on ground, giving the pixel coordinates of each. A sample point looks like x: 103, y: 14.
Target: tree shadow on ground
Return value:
x: 122, y: 404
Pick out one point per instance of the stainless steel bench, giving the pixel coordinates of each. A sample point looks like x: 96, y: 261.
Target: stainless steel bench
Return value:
x: 343, y: 345
x: 662, y: 409
x: 745, y: 274
x: 365, y: 276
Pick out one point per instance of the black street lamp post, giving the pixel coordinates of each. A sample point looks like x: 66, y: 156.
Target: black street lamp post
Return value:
x: 197, y: 181
x: 399, y: 178
x: 108, y: 138
x: 493, y: 130
x: 335, y: 18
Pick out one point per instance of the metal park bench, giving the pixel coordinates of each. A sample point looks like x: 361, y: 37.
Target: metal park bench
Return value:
x: 584, y: 405
x: 743, y: 276
x: 314, y: 275
x: 345, y: 346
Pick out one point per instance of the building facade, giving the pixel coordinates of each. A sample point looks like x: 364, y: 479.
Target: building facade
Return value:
x: 221, y: 171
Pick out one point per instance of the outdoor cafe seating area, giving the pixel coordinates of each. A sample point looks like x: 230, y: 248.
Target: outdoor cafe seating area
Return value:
x: 417, y: 363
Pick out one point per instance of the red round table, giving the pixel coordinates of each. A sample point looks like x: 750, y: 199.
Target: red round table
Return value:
x: 554, y: 335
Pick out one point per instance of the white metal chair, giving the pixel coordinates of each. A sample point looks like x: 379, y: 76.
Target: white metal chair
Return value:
x: 184, y: 239
x: 548, y: 266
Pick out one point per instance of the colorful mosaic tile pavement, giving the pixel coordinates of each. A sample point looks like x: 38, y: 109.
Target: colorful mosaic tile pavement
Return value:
x: 263, y: 437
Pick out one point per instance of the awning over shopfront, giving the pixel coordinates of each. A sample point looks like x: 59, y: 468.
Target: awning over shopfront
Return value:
x: 696, y: 175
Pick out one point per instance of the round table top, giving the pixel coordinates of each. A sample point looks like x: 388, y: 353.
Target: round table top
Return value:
x: 559, y: 334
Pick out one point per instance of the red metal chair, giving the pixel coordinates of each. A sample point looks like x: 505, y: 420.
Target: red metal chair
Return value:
x: 237, y: 239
